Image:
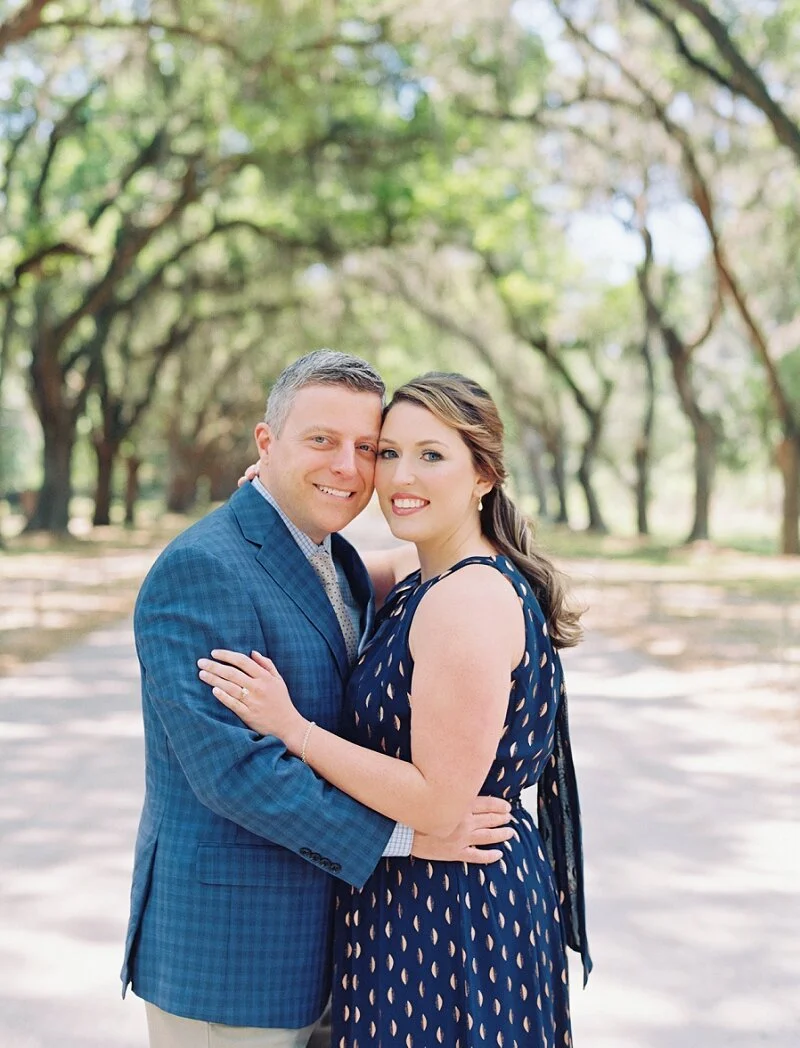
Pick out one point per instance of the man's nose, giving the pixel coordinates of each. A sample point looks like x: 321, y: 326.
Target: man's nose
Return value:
x: 345, y: 461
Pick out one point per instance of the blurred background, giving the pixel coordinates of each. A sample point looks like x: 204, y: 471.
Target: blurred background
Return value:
x: 591, y: 206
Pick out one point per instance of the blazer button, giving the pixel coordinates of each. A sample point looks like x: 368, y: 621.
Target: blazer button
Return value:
x: 335, y: 867
x: 306, y: 853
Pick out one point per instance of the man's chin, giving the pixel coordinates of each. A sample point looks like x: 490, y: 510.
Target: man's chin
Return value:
x: 337, y: 517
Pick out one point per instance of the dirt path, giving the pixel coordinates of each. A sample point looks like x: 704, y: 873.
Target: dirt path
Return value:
x: 689, y: 790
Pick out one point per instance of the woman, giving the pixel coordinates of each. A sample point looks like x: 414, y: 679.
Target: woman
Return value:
x: 444, y: 953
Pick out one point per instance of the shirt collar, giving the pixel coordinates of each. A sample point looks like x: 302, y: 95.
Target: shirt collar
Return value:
x: 306, y: 544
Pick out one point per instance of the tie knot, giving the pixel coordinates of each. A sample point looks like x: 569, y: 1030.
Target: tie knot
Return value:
x: 322, y: 562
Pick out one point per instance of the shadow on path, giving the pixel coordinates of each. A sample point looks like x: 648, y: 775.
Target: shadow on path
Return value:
x: 690, y: 802
x: 71, y: 785
x: 691, y: 837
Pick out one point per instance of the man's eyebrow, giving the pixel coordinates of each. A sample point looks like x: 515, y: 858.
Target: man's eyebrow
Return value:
x: 333, y: 432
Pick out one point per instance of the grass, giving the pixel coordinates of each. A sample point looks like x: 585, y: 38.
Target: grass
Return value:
x: 704, y: 606
x: 686, y: 607
x: 53, y: 591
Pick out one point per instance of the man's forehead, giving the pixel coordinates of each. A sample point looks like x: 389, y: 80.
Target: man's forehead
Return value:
x: 335, y: 409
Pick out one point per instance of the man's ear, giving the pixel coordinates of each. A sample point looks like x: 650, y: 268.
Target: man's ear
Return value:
x: 264, y: 438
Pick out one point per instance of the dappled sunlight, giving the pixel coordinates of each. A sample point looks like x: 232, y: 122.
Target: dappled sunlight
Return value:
x: 693, y: 865
x: 689, y: 798
x: 72, y: 782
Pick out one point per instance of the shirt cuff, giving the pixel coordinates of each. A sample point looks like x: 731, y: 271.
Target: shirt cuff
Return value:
x: 399, y: 844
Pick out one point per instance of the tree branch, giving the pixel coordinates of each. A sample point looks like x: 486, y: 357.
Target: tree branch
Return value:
x: 22, y: 23
x: 745, y: 80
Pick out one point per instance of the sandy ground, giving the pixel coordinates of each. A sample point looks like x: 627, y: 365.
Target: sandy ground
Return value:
x: 690, y: 794
x: 690, y: 784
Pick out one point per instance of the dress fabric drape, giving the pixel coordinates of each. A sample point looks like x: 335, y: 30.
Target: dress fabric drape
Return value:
x: 449, y: 953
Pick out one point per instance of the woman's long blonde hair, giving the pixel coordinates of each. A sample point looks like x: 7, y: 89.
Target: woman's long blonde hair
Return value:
x: 466, y: 407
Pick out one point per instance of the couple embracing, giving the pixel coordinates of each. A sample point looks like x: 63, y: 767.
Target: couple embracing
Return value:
x: 336, y: 745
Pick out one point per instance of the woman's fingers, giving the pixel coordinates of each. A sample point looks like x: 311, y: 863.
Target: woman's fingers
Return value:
x: 482, y: 856
x: 214, y: 680
x: 495, y: 835
x: 234, y: 658
x: 264, y: 662
x: 234, y: 704
x: 219, y: 673
x: 487, y: 805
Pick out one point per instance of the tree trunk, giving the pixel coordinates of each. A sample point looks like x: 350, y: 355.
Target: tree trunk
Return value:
x: 182, y: 488
x: 643, y: 449
x: 595, y: 420
x: 533, y: 447
x: 52, y: 504
x: 705, y: 461
x: 559, y: 474
x: 788, y: 457
x: 106, y: 454
x: 596, y: 522
x: 132, y: 465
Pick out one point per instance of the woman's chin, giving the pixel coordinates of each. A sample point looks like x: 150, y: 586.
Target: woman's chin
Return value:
x: 400, y: 527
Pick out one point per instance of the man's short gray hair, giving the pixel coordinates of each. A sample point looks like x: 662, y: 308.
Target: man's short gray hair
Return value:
x: 322, y: 367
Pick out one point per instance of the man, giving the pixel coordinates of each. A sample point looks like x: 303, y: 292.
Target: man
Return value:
x: 239, y: 843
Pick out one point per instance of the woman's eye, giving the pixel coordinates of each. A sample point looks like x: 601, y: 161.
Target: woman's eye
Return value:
x: 431, y: 456
x: 387, y: 453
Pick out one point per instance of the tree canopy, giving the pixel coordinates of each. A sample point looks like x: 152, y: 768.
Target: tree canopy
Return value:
x: 591, y: 204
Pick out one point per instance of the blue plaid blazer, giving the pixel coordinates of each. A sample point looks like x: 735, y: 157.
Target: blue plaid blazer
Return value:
x: 239, y: 843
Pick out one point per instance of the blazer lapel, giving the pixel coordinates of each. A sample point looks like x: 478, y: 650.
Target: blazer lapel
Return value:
x: 282, y: 558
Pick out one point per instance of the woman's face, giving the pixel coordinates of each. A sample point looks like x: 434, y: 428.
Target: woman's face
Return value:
x: 425, y: 478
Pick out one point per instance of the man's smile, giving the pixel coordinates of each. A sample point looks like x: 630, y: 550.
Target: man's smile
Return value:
x: 336, y: 492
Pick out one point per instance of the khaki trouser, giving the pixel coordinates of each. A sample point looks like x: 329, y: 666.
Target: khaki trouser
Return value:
x: 173, y: 1031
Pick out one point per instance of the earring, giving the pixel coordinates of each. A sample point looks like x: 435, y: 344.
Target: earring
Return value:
x: 480, y: 504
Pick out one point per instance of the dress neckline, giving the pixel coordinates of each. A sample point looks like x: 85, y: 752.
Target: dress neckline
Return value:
x: 482, y: 558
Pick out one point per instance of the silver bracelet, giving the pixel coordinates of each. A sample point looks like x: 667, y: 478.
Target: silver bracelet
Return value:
x: 305, y: 742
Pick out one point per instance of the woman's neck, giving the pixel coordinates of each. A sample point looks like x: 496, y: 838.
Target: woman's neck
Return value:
x: 436, y: 556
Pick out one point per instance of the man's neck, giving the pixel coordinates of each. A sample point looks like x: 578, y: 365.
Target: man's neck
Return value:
x: 294, y: 528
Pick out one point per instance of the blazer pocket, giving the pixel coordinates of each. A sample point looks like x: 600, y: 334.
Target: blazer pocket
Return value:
x: 246, y: 867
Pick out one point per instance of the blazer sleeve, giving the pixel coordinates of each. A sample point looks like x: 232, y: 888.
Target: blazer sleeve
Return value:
x: 192, y: 602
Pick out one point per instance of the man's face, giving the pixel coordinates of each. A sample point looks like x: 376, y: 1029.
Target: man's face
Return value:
x: 320, y: 468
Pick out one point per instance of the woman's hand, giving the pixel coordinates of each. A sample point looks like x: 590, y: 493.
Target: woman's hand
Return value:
x: 254, y: 690
x: 249, y: 473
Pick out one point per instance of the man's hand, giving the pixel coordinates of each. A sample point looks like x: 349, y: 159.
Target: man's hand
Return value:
x: 488, y: 823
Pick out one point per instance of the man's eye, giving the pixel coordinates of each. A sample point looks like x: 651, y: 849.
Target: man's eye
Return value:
x: 368, y: 448
x: 319, y: 440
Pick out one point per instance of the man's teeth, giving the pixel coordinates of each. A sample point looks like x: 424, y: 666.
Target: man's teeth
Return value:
x: 409, y: 503
x: 336, y: 492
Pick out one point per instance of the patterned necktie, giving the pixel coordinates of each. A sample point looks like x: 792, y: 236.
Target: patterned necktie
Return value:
x: 322, y: 563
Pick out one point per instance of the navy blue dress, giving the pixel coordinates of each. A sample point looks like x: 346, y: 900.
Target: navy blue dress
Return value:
x: 448, y: 953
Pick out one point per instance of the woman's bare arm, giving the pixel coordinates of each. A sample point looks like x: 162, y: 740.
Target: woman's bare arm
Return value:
x: 467, y: 635
x: 387, y: 567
